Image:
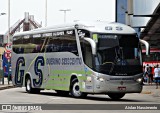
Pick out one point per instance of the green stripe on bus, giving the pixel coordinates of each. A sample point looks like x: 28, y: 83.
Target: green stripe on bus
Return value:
x: 58, y: 87
x: 65, y: 78
x: 57, y: 82
x: 70, y: 72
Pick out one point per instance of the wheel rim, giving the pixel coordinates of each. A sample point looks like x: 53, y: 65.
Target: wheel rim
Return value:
x: 76, y: 89
x: 28, y: 85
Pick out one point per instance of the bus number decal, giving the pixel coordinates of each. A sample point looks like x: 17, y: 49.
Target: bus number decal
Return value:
x: 19, y: 74
x: 38, y: 72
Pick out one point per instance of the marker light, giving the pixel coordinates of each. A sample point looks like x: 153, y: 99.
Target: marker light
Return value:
x: 139, y: 80
x: 89, y: 79
x: 100, y: 79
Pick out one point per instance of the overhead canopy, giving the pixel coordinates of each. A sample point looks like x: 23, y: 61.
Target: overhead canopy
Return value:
x: 151, y: 33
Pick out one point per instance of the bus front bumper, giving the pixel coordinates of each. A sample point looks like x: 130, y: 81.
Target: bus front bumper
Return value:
x: 117, y: 86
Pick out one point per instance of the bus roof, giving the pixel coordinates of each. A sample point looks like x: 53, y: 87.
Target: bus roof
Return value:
x: 98, y: 27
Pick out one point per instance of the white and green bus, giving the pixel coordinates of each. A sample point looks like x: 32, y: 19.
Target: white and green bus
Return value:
x: 79, y: 59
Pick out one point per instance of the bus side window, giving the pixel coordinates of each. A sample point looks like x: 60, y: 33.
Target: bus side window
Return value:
x: 47, y: 48
x: 62, y: 43
x: 64, y: 47
x: 20, y: 50
x: 87, y: 53
x: 54, y: 45
x: 36, y: 49
x: 73, y: 48
x: 17, y: 44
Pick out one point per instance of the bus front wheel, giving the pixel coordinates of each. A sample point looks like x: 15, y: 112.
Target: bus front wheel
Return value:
x: 75, y: 89
x: 29, y: 88
x: 116, y: 96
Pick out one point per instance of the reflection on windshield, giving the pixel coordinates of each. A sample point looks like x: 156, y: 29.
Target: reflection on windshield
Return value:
x: 117, y: 55
x: 120, y: 58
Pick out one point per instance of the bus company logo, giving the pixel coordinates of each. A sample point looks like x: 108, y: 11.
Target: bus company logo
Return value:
x: 69, y: 32
x: 81, y: 34
x: 6, y: 107
x: 108, y: 28
x: 118, y: 28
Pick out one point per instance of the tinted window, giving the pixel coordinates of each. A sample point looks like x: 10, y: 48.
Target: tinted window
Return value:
x: 87, y: 53
x: 28, y: 44
x: 66, y: 42
x: 59, y: 41
x: 18, y: 44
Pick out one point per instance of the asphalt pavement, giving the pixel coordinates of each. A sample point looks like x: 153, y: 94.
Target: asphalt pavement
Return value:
x: 151, y: 89
x: 147, y: 89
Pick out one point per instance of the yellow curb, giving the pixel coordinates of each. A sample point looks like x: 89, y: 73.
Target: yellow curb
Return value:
x: 146, y: 92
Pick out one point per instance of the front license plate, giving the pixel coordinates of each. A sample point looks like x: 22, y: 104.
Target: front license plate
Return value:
x: 122, y: 88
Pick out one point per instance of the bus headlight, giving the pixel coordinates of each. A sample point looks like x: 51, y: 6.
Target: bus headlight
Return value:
x: 101, y: 79
x: 139, y: 80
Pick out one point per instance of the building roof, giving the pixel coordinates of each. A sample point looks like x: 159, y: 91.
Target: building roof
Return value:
x: 152, y: 31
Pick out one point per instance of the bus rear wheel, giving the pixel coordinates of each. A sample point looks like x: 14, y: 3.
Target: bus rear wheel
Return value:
x: 116, y: 96
x: 29, y: 88
x: 75, y: 89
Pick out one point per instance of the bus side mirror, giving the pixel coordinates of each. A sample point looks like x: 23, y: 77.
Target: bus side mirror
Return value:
x: 146, y: 45
x: 93, y: 45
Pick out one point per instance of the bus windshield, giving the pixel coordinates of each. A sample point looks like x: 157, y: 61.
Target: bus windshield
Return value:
x: 118, y: 55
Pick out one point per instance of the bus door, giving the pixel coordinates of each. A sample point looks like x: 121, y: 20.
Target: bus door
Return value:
x: 88, y: 64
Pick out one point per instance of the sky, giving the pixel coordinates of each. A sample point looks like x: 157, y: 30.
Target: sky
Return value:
x: 85, y: 10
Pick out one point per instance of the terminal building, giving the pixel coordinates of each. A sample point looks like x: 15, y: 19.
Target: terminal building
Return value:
x: 144, y: 17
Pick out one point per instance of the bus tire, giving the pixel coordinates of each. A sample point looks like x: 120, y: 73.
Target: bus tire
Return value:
x: 62, y: 93
x: 116, y: 96
x: 36, y: 90
x: 28, y: 86
x: 75, y: 89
